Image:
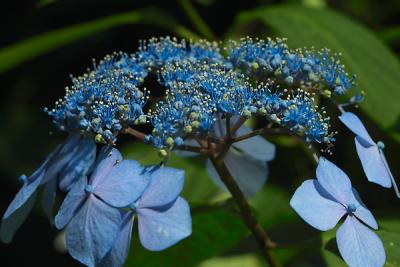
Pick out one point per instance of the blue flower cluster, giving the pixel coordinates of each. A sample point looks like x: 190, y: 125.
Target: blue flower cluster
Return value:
x: 201, y: 83
x: 105, y: 100
x: 298, y: 67
x: 198, y: 93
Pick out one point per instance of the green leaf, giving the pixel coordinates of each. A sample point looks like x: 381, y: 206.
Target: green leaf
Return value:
x: 16, y: 54
x: 390, y: 234
x: 377, y: 69
x: 213, y: 232
x: 391, y: 35
x: 248, y: 260
x: 278, y: 209
x: 198, y: 187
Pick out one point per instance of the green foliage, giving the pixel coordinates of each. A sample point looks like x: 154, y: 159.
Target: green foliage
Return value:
x: 16, y: 54
x: 213, y: 232
x: 377, y: 69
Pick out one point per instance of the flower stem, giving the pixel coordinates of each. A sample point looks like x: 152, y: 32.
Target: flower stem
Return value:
x: 196, y: 19
x: 135, y: 133
x: 265, y: 243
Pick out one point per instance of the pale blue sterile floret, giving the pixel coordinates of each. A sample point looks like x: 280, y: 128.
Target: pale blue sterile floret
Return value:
x: 370, y: 153
x: 322, y: 202
x: 164, y: 217
x: 55, y: 170
x: 114, y: 183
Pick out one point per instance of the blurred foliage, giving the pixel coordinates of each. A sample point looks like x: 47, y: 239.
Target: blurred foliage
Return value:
x: 50, y: 39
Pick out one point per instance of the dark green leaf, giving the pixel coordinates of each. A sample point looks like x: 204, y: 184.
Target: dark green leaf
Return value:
x: 377, y: 69
x: 213, y: 232
x: 16, y: 54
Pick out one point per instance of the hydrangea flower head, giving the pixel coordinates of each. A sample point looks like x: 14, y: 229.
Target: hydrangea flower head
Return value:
x: 324, y: 201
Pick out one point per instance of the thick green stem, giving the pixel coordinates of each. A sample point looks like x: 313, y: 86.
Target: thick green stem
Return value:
x: 265, y: 243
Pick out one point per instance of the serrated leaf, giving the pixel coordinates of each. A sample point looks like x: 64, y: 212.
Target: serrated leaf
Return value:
x: 377, y: 69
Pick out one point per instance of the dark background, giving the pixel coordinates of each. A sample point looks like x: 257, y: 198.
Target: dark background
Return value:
x: 25, y: 131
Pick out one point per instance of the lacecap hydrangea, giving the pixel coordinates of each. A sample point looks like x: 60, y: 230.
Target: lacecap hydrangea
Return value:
x: 211, y: 91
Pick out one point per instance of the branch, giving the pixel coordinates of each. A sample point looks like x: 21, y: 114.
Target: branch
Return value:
x: 265, y: 130
x: 195, y: 149
x: 135, y: 133
x: 238, y: 124
x: 265, y: 243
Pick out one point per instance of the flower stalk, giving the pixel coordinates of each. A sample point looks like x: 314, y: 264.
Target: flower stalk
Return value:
x: 262, y: 238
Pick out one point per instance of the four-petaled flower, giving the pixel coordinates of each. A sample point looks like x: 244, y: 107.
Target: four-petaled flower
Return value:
x: 370, y: 153
x: 90, y: 209
x: 163, y: 216
x: 324, y: 201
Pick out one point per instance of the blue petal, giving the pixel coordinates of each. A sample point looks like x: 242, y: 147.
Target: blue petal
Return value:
x: 256, y: 147
x: 70, y: 144
x: 118, y: 254
x: 160, y: 229
x: 358, y: 245
x: 334, y: 181
x: 357, y: 127
x: 373, y: 164
x: 320, y: 212
x: 75, y: 198
x: 122, y: 185
x: 93, y: 231
x: 49, y: 195
x: 108, y: 157
x: 165, y: 186
x: 12, y: 223
x: 24, y: 193
x: 79, y: 165
x: 250, y: 174
x: 61, y: 157
x: 362, y: 212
